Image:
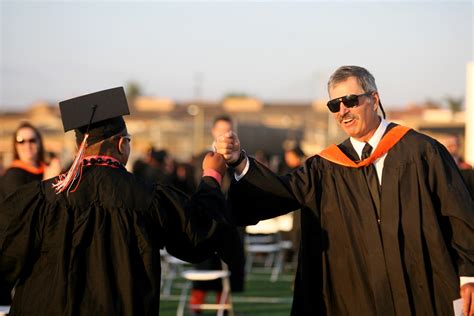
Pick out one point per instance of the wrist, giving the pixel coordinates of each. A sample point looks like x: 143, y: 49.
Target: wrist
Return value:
x: 214, y: 174
x: 241, y: 158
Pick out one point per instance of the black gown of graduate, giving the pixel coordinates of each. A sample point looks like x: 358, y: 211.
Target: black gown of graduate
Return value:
x: 349, y: 264
x: 96, y: 251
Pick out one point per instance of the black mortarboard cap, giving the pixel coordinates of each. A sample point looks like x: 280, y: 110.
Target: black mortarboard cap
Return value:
x: 99, y: 114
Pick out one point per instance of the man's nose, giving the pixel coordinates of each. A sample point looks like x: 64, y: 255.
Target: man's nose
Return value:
x: 342, y: 109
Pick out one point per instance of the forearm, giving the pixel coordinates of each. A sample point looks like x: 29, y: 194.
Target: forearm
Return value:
x: 259, y: 194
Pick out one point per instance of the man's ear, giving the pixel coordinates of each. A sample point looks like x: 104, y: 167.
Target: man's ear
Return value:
x: 121, y: 145
x: 376, y: 101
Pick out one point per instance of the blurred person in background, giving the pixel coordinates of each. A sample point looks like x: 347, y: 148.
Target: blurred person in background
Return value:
x: 28, y: 165
x: 29, y: 162
x: 183, y: 178
x: 156, y: 166
x: 221, y: 125
x: 293, y: 159
x: 262, y: 157
x: 453, y: 145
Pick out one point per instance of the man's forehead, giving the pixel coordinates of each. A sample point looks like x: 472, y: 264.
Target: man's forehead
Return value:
x: 348, y: 86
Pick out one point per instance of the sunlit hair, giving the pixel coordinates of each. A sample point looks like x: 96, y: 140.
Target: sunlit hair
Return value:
x: 363, y: 76
x: 40, y: 156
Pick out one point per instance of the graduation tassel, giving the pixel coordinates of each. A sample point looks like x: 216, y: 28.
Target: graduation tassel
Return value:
x: 66, y: 180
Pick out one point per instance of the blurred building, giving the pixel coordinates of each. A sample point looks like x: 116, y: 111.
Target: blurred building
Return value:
x: 183, y: 128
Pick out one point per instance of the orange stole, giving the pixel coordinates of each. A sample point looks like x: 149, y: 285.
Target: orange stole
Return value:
x: 31, y: 169
x: 334, y: 154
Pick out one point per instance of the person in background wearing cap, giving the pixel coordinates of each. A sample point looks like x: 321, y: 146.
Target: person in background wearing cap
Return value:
x: 29, y: 162
x: 390, y: 234
x: 87, y: 242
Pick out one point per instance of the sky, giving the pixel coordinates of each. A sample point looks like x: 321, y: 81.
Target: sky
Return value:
x: 275, y: 51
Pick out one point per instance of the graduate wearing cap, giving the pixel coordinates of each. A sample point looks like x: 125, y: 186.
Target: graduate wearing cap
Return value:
x: 387, y: 230
x: 88, y: 241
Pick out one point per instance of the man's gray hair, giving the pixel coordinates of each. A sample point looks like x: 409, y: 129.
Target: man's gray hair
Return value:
x: 363, y: 76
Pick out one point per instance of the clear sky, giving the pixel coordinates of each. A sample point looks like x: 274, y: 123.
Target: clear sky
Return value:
x: 417, y: 50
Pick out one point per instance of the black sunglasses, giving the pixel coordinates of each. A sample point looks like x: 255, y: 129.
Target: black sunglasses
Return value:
x: 21, y: 140
x: 349, y: 101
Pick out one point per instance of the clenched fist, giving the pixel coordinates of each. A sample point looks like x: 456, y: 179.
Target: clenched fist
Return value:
x: 214, y: 161
x: 228, y: 145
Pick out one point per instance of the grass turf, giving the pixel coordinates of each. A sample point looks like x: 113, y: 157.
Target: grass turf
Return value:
x: 261, y: 296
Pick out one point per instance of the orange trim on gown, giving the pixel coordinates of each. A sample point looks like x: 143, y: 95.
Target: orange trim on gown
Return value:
x: 31, y: 169
x: 334, y: 154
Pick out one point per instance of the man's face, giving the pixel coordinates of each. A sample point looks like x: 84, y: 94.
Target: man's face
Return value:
x: 220, y: 127
x: 359, y: 122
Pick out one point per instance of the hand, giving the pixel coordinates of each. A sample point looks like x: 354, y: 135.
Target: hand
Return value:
x: 52, y: 170
x: 467, y: 295
x: 228, y: 145
x: 214, y: 161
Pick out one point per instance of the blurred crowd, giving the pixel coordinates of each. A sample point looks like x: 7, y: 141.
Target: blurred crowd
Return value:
x: 31, y: 161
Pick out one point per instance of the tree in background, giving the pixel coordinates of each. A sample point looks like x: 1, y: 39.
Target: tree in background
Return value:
x: 454, y: 104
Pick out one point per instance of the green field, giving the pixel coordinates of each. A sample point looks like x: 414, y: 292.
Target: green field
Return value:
x: 261, y: 296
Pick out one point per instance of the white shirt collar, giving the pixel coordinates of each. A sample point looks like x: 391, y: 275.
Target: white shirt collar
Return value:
x: 373, y: 141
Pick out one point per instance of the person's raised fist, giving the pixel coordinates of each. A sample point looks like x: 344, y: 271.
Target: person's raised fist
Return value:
x: 228, y: 145
x: 214, y: 161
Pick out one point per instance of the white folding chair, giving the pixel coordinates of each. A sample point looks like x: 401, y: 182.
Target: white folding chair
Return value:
x: 171, y: 267
x: 4, y: 310
x: 225, y: 302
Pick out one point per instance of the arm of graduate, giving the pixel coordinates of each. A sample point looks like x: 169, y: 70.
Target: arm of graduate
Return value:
x: 224, y: 241
x: 21, y: 217
x: 192, y: 225
x: 455, y: 204
x: 258, y: 193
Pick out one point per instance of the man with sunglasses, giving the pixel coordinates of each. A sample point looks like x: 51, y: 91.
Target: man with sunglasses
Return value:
x: 387, y: 222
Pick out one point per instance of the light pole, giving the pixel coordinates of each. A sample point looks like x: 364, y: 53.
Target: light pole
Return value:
x: 198, y: 127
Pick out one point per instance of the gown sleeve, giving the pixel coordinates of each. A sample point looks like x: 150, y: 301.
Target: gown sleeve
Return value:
x: 261, y: 194
x: 455, y: 205
x: 194, y: 227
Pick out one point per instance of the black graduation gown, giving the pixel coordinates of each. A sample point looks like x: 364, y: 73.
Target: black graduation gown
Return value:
x: 468, y: 175
x: 9, y: 182
x: 349, y: 264
x: 96, y: 251
x: 14, y: 178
